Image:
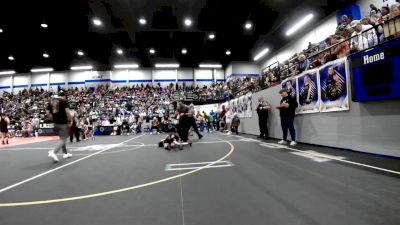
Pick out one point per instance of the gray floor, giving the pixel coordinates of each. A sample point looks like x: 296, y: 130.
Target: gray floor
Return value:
x: 267, y: 184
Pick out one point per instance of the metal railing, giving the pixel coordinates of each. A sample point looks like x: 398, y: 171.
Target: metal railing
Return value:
x: 378, y: 34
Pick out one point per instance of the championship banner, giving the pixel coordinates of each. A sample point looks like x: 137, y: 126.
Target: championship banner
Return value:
x: 234, y: 105
x: 248, y: 112
x: 290, y: 84
x: 240, y: 111
x: 333, y: 86
x: 309, y: 100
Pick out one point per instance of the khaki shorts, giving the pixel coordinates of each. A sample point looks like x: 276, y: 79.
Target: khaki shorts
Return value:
x: 61, y: 130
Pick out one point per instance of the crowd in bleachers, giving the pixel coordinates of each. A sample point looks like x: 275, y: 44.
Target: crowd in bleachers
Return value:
x: 351, y: 36
x: 135, y: 109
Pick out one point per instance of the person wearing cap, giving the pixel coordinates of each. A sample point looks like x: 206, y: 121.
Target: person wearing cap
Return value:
x: 58, y: 111
x: 287, y: 110
x: 366, y: 36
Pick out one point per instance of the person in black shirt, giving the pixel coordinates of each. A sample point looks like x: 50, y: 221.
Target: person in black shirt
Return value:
x: 262, y: 111
x: 183, y: 111
x: 287, y: 109
x: 58, y: 111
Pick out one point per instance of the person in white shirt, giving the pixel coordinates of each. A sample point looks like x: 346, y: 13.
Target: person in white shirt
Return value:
x: 229, y: 117
x: 35, y: 125
x: 366, y: 36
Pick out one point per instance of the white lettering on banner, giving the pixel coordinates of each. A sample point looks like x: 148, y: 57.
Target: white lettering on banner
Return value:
x: 374, y: 58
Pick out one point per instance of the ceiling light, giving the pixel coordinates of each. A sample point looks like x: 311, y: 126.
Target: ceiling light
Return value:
x: 211, y: 36
x: 210, y: 66
x: 11, y: 58
x: 261, y: 54
x: 248, y: 25
x: 126, y: 66
x: 97, y: 22
x: 42, y: 70
x: 152, y: 51
x: 44, y: 25
x: 228, y: 52
x: 88, y: 67
x: 184, y: 51
x: 45, y: 55
x: 167, y: 65
x: 142, y: 21
x: 7, y: 72
x: 300, y: 24
x: 80, y: 53
x: 120, y: 52
x: 1, y: 30
x: 188, y: 22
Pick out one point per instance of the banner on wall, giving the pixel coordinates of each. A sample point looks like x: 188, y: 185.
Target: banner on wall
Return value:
x: 333, y: 86
x: 290, y: 84
x: 248, y: 105
x: 233, y: 105
x: 241, y: 106
x: 308, y: 86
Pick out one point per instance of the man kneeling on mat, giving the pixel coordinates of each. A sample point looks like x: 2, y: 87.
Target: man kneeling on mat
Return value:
x: 170, y: 141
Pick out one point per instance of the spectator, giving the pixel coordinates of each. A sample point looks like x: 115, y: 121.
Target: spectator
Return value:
x: 346, y: 21
x: 373, y: 10
x: 4, y: 123
x: 340, y: 49
x: 235, y: 124
x: 394, y: 10
x: 228, y: 120
x: 35, y: 125
x: 385, y: 13
x: 287, y: 109
x: 262, y: 111
x: 366, y: 36
x: 304, y: 63
x: 154, y: 124
x: 395, y: 23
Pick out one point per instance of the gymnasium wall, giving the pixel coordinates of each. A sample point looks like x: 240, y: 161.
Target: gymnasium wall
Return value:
x: 367, y: 127
x: 242, y: 69
x: 186, y: 75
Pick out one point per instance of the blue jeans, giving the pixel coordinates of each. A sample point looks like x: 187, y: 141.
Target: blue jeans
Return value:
x: 287, y: 123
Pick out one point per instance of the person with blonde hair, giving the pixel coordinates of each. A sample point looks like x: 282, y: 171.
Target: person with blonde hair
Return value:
x: 395, y: 10
x: 154, y: 124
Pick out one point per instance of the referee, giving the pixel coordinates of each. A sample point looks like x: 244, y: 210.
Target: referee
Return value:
x: 182, y: 111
